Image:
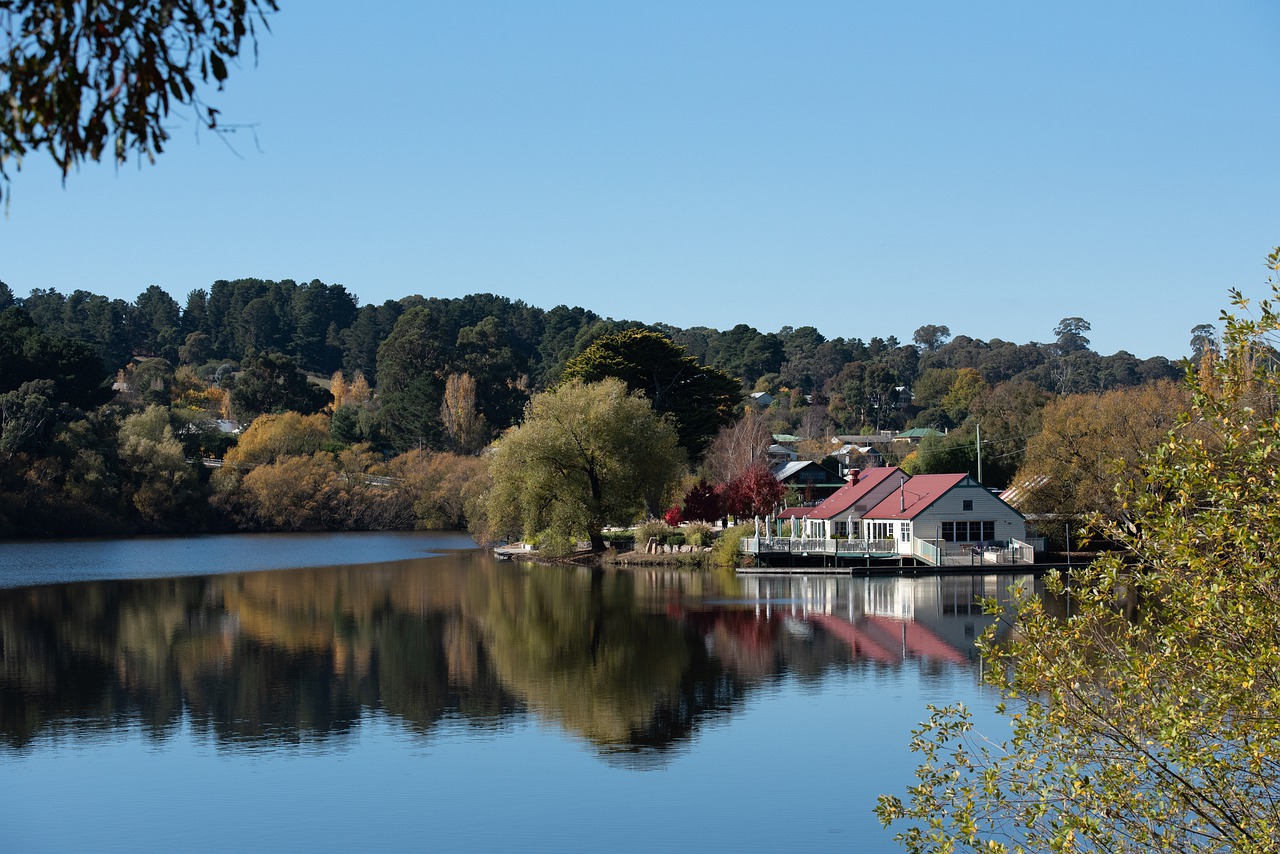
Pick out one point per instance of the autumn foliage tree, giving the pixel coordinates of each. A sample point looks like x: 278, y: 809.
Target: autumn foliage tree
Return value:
x: 1089, y: 442
x: 465, y: 427
x: 445, y: 490
x: 755, y: 492
x: 702, y: 503
x: 270, y: 437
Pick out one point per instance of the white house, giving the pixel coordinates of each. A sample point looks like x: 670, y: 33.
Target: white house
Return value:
x: 947, y: 510
x: 833, y: 518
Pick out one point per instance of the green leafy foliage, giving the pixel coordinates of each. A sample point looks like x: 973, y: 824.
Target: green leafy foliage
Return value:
x: 29, y: 353
x: 271, y: 382
x: 588, y: 455
x: 726, y: 551
x: 162, y: 486
x: 26, y: 416
x: 1146, y: 718
x: 699, y: 399
x: 411, y: 376
x: 86, y: 80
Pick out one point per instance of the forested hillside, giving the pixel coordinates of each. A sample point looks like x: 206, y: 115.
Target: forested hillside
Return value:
x: 105, y: 404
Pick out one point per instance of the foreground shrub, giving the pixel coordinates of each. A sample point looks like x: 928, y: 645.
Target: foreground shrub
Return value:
x: 652, y: 529
x: 727, y: 549
x: 1155, y: 727
x: 699, y: 534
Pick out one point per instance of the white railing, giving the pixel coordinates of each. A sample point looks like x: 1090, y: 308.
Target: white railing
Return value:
x: 813, y: 545
x: 1014, y: 552
x: 1026, y: 552
x: 926, y: 551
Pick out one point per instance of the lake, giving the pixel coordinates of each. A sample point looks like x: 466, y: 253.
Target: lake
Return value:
x: 407, y: 692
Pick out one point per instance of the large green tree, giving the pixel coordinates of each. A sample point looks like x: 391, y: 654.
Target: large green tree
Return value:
x: 412, y: 369
x: 587, y: 455
x: 1154, y: 726
x: 85, y: 79
x: 28, y: 353
x: 271, y: 382
x: 699, y: 399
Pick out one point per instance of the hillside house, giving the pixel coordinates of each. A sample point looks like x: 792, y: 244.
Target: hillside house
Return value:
x: 853, y: 457
x: 916, y: 434
x: 812, y: 481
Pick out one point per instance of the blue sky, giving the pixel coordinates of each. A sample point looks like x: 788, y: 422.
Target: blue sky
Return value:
x: 862, y: 168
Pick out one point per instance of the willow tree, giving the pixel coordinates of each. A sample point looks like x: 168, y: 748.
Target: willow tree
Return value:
x: 588, y: 455
x: 1149, y: 717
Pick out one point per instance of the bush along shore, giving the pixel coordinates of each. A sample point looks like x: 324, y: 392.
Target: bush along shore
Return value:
x: 654, y: 543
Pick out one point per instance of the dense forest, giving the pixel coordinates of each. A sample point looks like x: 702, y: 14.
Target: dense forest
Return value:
x: 330, y: 414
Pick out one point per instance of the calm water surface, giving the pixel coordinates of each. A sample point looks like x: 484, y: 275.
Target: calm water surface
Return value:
x: 403, y: 692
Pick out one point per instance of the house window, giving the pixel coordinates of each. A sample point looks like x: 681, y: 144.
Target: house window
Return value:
x: 880, y: 530
x: 967, y: 532
x: 904, y: 531
x: 968, y: 504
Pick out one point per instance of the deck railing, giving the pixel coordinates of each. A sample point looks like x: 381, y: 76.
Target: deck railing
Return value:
x: 1012, y: 552
x: 926, y: 551
x: 814, y: 545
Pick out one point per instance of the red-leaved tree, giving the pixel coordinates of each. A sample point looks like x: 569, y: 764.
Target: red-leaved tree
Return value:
x: 702, y: 503
x: 755, y: 492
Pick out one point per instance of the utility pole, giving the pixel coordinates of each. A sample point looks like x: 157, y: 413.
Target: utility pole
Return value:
x: 979, y: 443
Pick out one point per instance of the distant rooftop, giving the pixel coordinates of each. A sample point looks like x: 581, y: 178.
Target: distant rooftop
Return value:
x: 918, y: 433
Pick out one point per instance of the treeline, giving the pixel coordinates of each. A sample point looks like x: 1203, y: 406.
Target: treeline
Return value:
x: 105, y: 404
x: 510, y: 349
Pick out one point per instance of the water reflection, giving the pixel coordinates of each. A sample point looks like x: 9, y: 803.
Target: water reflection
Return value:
x: 633, y: 663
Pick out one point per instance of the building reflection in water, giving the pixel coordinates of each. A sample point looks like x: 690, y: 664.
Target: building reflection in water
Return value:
x: 891, y: 618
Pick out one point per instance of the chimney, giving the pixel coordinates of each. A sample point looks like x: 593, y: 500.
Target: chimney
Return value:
x: 902, y: 495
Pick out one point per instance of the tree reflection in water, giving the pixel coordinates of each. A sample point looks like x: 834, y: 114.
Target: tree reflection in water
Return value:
x: 631, y: 662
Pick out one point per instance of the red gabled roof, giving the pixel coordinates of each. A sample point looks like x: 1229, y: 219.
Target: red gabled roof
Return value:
x: 918, y: 494
x: 793, y: 513
x: 851, y: 493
